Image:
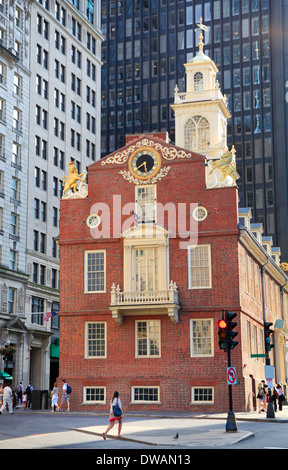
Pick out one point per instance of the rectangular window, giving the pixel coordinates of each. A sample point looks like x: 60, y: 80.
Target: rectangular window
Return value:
x: 95, y: 267
x: 145, y: 266
x: 202, y: 395
x: 95, y: 339
x: 38, y: 310
x: 92, y: 395
x: 146, y: 204
x: 148, y: 338
x: 199, y: 267
x: 145, y: 394
x: 12, y: 294
x: 201, y: 337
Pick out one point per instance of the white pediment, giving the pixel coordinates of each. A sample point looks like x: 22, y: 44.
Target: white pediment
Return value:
x: 145, y: 231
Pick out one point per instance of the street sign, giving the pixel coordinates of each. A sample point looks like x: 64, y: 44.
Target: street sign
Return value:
x: 258, y: 355
x: 269, y: 372
x: 231, y: 376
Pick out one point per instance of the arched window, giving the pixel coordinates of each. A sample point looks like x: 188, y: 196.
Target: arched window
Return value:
x: 197, y: 133
x: 198, y: 81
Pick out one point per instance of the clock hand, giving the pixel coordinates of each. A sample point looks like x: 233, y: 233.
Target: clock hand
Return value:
x: 144, y: 163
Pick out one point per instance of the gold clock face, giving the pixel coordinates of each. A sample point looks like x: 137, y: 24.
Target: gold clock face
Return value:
x: 144, y: 163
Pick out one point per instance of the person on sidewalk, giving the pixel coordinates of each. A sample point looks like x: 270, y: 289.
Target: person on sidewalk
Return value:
x: 54, y: 396
x: 7, y: 394
x: 261, y: 397
x: 20, y: 390
x: 24, y: 400
x: 65, y: 396
x: 28, y: 391
x: 274, y: 397
x: 281, y: 396
x: 116, y: 414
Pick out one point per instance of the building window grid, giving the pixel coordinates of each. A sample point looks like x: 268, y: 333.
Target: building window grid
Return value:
x: 202, y: 395
x: 257, y: 20
x: 96, y: 340
x: 95, y: 267
x: 146, y: 394
x: 94, y: 395
x: 148, y: 338
x: 201, y: 338
x: 199, y: 258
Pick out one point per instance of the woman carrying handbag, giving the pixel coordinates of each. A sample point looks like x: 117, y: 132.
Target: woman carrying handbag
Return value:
x: 116, y: 414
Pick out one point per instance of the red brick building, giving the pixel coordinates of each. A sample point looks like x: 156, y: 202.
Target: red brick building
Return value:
x: 141, y: 294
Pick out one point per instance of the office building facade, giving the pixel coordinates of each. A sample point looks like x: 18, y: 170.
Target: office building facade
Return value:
x: 147, y: 43
x: 50, y: 66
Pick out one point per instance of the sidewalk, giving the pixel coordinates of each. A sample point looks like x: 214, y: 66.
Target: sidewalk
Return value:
x: 194, y: 430
x: 159, y: 429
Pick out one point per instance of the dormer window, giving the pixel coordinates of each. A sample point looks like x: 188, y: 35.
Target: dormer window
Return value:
x: 198, y: 81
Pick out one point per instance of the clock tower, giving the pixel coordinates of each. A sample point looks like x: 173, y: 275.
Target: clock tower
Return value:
x: 201, y: 112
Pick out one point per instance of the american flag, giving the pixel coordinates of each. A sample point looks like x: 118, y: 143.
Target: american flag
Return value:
x: 49, y: 314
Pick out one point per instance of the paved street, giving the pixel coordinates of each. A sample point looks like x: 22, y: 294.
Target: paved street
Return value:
x: 45, y: 430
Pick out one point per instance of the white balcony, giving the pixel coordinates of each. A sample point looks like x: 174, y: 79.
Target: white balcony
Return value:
x: 199, y: 95
x: 144, y: 302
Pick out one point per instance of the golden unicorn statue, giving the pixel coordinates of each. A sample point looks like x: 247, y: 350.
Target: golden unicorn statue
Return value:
x: 226, y: 165
x: 72, y: 181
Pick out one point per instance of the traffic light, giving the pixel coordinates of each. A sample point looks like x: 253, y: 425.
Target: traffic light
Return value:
x: 223, y: 334
x: 268, y: 332
x: 230, y: 326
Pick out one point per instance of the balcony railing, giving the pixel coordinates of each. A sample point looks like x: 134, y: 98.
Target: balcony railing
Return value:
x: 199, y: 95
x: 123, y: 303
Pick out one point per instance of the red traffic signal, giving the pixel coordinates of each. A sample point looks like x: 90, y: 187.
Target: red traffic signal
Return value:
x: 223, y: 333
x: 222, y: 324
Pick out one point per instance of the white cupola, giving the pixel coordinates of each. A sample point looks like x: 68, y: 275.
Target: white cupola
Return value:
x: 201, y: 112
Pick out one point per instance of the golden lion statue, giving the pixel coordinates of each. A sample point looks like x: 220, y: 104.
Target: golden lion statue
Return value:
x: 72, y: 181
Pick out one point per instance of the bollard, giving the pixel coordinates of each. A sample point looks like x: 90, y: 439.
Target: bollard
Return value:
x: 270, y: 409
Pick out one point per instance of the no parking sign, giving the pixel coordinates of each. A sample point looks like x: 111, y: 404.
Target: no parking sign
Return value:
x: 231, y: 376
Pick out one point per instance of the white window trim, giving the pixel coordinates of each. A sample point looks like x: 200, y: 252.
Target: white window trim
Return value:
x: 155, y: 199
x: 148, y: 348
x: 212, y: 402
x: 148, y: 402
x: 86, y: 356
x: 189, y: 268
x: 94, y: 402
x: 157, y: 238
x: 191, y: 338
x: 86, y: 291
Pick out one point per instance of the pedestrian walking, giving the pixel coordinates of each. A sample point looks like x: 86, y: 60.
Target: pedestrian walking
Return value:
x: 1, y: 395
x: 65, y: 396
x: 24, y: 400
x: 116, y: 414
x: 7, y: 393
x: 281, y: 396
x: 274, y: 397
x: 54, y: 396
x: 14, y: 397
x: 29, y: 391
x: 262, y: 397
x: 20, y: 390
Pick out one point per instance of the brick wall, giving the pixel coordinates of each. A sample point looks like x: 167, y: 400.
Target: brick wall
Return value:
x: 175, y: 371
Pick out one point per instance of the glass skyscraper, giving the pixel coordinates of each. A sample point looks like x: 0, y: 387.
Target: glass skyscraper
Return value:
x: 146, y: 45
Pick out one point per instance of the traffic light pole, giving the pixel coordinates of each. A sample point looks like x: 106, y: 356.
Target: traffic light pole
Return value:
x: 231, y: 425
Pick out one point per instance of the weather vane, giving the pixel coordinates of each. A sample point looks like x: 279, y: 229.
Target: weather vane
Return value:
x: 202, y: 27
